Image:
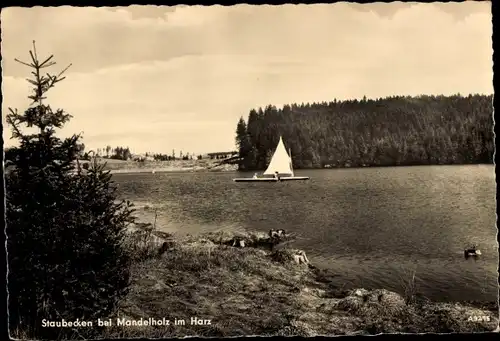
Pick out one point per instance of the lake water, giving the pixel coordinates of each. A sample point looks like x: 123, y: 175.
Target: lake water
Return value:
x: 373, y: 227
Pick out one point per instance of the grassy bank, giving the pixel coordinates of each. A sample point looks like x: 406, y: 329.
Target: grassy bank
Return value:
x: 257, y: 291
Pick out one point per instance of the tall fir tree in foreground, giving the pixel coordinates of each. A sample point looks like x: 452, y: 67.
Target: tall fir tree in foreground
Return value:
x: 65, y: 228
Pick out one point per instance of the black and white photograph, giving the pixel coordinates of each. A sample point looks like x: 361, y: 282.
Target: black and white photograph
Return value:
x: 249, y: 170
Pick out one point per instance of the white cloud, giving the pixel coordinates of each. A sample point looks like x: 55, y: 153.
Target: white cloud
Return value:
x: 160, y: 81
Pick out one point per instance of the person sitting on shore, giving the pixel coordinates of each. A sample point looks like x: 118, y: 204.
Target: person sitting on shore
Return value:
x: 277, y: 234
x: 281, y: 233
x: 255, y: 176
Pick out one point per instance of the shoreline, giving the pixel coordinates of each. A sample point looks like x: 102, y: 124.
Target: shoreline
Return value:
x: 176, y: 166
x: 234, y: 168
x: 215, y: 166
x: 168, y: 170
x: 253, y: 290
x: 379, y: 166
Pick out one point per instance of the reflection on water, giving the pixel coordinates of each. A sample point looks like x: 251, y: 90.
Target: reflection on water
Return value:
x: 371, y: 226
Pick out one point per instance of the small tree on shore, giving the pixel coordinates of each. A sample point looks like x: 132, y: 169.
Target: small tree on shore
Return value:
x: 64, y: 228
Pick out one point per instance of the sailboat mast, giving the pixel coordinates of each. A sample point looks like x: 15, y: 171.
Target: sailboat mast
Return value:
x: 291, y: 164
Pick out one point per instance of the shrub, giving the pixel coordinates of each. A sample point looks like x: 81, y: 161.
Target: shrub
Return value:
x: 64, y: 224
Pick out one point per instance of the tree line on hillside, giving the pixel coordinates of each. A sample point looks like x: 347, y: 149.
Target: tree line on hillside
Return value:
x: 124, y: 153
x: 108, y: 152
x: 173, y: 157
x: 392, y: 131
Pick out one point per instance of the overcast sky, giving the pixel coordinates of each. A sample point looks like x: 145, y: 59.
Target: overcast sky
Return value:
x: 162, y: 78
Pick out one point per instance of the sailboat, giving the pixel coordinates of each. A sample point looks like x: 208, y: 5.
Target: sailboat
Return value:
x: 280, y: 167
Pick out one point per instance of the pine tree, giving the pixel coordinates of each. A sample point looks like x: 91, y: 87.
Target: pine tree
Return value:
x: 64, y: 226
x: 242, y: 140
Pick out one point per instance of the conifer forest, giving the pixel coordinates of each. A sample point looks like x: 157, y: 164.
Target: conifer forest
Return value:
x: 392, y: 131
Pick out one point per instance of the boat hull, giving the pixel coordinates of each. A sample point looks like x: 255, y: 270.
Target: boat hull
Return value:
x: 284, y: 178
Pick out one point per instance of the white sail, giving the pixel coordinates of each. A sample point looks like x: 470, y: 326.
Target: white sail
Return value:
x: 280, y: 162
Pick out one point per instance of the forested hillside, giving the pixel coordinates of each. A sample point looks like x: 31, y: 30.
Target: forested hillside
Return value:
x: 398, y: 130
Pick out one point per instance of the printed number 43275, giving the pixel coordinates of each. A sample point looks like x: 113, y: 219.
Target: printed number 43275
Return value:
x: 478, y: 318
